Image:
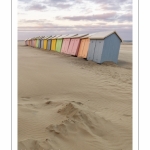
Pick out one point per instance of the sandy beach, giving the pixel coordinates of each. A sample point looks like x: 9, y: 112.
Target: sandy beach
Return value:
x: 69, y: 103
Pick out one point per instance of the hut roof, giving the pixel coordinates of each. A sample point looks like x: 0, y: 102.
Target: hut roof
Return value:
x: 55, y: 37
x: 70, y: 35
x: 47, y: 37
x: 80, y: 35
x: 52, y: 37
x: 102, y: 35
x: 62, y: 36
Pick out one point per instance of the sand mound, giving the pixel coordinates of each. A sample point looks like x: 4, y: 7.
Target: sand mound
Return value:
x: 83, y: 122
x: 79, y: 121
x: 31, y: 144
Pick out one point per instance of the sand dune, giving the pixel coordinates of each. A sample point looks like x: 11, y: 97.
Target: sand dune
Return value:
x: 68, y: 103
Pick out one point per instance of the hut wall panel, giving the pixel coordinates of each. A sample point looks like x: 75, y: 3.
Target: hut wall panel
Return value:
x: 67, y: 45
x: 58, y: 45
x: 34, y: 43
x: 49, y: 44
x: 70, y: 46
x: 39, y: 44
x: 85, y: 49
x: 91, y: 50
x: 111, y: 49
x: 63, y: 45
x: 67, y: 42
x: 53, y: 45
x: 81, y: 47
x: 31, y: 43
x: 45, y: 44
x: 98, y: 50
x: 75, y: 48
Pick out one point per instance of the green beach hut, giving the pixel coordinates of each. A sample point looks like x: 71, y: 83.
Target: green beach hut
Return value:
x: 59, y: 42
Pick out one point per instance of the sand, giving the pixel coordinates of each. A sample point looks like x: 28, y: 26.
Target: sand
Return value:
x: 68, y: 103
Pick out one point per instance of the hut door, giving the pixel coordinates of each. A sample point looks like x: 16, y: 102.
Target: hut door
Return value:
x: 98, y: 50
x: 91, y: 50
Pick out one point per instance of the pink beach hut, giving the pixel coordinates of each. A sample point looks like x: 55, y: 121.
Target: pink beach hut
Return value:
x: 28, y: 41
x: 66, y: 42
x: 32, y: 42
x: 74, y: 44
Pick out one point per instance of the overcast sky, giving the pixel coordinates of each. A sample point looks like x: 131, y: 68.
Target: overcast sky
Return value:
x: 51, y: 17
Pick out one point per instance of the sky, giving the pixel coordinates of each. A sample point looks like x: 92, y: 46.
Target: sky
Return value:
x: 58, y: 17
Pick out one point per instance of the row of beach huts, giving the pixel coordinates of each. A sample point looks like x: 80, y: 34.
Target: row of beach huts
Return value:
x: 98, y: 47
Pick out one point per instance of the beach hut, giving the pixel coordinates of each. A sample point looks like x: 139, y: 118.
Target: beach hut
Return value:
x: 39, y: 41
x: 53, y: 42
x: 66, y: 42
x: 30, y: 40
x: 104, y: 46
x: 84, y: 45
x: 49, y: 42
x: 59, y: 42
x: 74, y: 44
x: 34, y: 43
x: 42, y: 42
x: 45, y: 42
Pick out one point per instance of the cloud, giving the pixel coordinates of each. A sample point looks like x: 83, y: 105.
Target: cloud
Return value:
x: 50, y: 26
x: 109, y: 1
x: 45, y: 27
x: 63, y: 4
x: 32, y: 20
x: 21, y: 13
x: 125, y: 17
x: 25, y: 1
x: 36, y: 7
x: 109, y: 7
x: 106, y: 16
x: 128, y: 7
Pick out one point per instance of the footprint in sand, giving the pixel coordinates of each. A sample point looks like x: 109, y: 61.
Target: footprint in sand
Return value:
x: 25, y: 98
x: 48, y: 102
x: 127, y: 115
x: 46, y: 98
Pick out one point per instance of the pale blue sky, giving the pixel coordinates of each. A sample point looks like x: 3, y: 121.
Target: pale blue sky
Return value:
x: 50, y: 17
